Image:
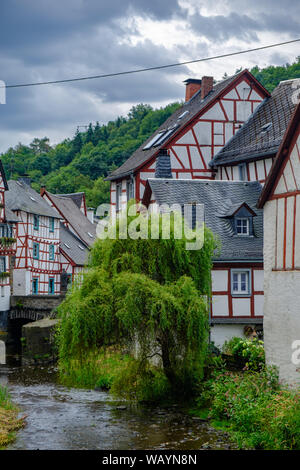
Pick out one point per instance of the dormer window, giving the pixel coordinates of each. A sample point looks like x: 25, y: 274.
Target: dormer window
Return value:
x: 242, y: 225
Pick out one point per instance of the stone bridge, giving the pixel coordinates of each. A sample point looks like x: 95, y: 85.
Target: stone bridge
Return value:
x: 33, y: 307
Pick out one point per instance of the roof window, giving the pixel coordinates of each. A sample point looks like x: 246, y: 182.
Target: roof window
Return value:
x: 265, y: 128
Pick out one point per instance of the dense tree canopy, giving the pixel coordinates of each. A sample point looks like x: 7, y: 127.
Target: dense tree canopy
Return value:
x: 81, y: 163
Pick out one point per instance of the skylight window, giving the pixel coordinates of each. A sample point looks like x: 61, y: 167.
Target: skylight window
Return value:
x: 90, y: 235
x: 166, y: 135
x: 154, y: 139
x: 68, y: 246
x: 182, y: 115
x: 265, y: 128
x: 81, y: 247
x: 32, y: 198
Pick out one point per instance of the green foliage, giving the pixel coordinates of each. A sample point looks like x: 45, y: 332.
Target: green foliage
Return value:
x: 270, y: 76
x: 261, y: 414
x: 99, y: 368
x: 252, y: 350
x: 82, y: 163
x: 150, y: 293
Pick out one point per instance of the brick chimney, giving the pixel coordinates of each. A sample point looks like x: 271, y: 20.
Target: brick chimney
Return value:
x: 25, y: 179
x: 42, y: 190
x: 207, y: 84
x: 192, y: 85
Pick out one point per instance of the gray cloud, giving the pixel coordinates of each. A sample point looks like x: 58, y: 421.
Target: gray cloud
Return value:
x: 54, y: 39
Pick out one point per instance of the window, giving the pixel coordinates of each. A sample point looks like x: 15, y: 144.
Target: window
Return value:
x: 240, y: 282
x: 51, y: 286
x: 154, y: 139
x: 2, y: 264
x: 36, y: 222
x: 51, y: 252
x: 5, y: 230
x: 118, y: 197
x: 51, y: 226
x: 2, y: 291
x: 36, y: 251
x: 35, y: 286
x: 242, y: 226
x: 242, y: 172
x: 129, y: 190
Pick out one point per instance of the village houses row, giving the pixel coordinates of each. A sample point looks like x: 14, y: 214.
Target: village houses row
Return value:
x: 44, y: 238
x: 233, y: 147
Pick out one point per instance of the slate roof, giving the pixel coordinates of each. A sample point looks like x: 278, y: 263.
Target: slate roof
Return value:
x: 193, y: 106
x: 251, y: 141
x: 280, y: 158
x: 76, y: 197
x: 73, y: 215
x: 218, y: 197
x: 72, y: 246
x: 20, y: 196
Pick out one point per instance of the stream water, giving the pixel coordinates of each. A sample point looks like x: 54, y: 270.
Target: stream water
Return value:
x: 64, y: 418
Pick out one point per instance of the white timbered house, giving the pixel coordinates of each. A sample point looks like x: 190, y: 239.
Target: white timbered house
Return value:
x: 194, y: 133
x: 7, y: 250
x: 237, y: 274
x: 249, y: 154
x: 280, y: 201
x: 37, y: 265
x: 77, y: 232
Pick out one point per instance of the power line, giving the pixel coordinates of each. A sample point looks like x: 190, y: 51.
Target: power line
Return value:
x: 159, y: 67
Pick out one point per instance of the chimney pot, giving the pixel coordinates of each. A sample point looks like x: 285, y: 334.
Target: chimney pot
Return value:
x: 192, y: 85
x: 25, y: 179
x: 206, y: 86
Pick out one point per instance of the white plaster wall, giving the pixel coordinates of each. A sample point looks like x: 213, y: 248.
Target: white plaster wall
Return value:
x: 21, y: 282
x: 4, y: 298
x: 281, y: 306
x: 221, y: 333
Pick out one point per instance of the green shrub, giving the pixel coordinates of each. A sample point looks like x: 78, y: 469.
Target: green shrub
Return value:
x: 261, y: 415
x: 250, y: 350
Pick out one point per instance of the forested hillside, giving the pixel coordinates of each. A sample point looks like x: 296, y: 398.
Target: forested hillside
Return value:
x: 81, y: 163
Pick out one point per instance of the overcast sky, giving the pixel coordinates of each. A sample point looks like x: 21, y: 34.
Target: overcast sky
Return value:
x: 58, y: 39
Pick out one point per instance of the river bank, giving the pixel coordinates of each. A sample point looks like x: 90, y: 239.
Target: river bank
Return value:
x: 9, y: 418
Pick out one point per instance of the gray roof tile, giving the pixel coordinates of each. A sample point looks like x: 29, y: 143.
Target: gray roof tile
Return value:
x: 73, y: 247
x: 20, y: 196
x: 252, y: 141
x: 218, y: 197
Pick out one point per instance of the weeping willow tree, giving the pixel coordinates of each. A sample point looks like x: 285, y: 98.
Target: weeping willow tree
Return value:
x: 151, y: 295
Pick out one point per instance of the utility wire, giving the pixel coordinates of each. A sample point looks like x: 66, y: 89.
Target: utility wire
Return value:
x: 159, y: 67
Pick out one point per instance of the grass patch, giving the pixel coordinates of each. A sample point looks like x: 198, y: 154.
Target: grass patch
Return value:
x: 96, y: 369
x: 9, y: 421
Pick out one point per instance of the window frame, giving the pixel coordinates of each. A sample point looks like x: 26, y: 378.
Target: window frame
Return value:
x: 240, y: 292
x: 36, y: 222
x: 51, y: 224
x: 51, y: 252
x: 240, y: 234
x: 35, y: 279
x: 36, y: 245
x: 3, y: 259
x: 118, y: 196
x: 50, y: 283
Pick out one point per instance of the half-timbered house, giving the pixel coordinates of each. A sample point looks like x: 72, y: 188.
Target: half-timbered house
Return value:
x: 7, y: 250
x: 249, y: 154
x: 280, y: 200
x: 37, y: 265
x: 77, y: 234
x: 194, y: 133
x: 237, y: 275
